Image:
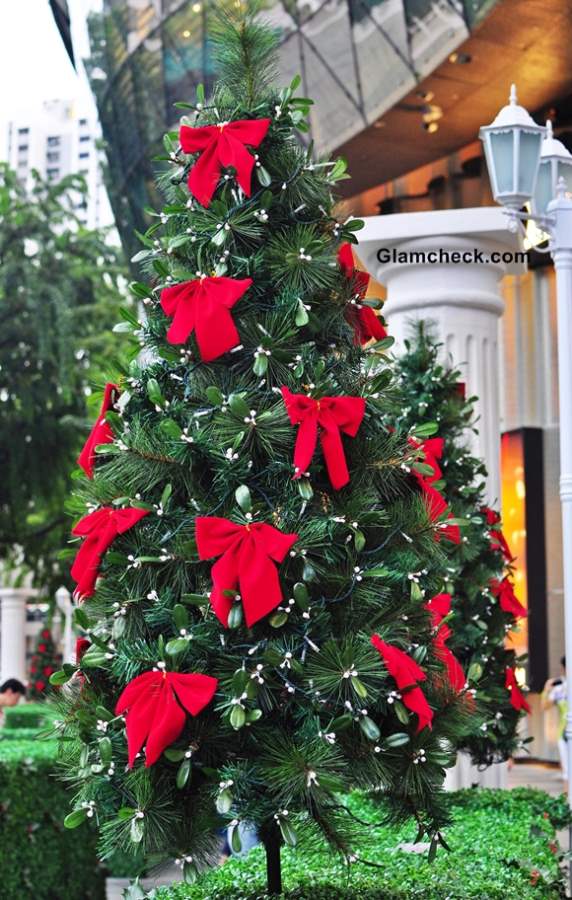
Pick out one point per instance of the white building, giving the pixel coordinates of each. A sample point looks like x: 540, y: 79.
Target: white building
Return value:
x: 59, y: 138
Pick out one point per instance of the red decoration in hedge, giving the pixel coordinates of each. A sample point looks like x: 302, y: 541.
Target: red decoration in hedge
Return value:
x: 99, y: 529
x: 202, y: 306
x: 406, y: 674
x: 328, y: 417
x: 508, y: 601
x: 45, y: 660
x: 155, y: 704
x: 247, y: 564
x: 439, y: 607
x: 360, y: 316
x: 517, y: 698
x: 221, y: 146
x: 101, y: 432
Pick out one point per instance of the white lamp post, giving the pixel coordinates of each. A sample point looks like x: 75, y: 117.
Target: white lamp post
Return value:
x: 511, y: 140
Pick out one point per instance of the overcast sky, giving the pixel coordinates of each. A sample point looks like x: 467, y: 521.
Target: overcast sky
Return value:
x: 34, y: 65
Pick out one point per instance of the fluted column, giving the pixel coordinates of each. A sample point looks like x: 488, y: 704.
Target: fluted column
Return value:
x: 13, y: 633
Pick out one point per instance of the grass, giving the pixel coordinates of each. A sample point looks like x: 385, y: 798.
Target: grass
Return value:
x: 502, y: 848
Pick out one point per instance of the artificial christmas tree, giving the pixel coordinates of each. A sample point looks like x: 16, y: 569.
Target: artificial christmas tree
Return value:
x: 259, y: 642
x: 478, y: 578
x: 45, y: 661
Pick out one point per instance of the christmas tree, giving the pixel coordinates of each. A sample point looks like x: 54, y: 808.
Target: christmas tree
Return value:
x: 259, y: 642
x: 478, y: 578
x: 45, y: 661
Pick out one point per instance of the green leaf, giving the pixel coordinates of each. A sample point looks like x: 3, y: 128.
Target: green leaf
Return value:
x: 195, y: 599
x: 398, y: 739
x: 154, y: 392
x: 75, y: 818
x: 354, y: 225
x: 180, y: 616
x: 137, y: 830
x: 214, y: 396
x: 278, y: 619
x: 401, y: 712
x: 475, y: 671
x: 302, y: 317
x: 253, y: 715
x: 376, y: 572
x: 425, y: 430
x: 260, y: 366
x: 224, y: 801
x: 287, y: 832
x: 178, y: 645
x: 125, y: 813
x: 235, y: 616
x: 416, y: 592
x: 359, y: 687
x: 305, y: 488
x: 369, y: 728
x: 174, y: 755
x: 359, y: 540
x: 301, y: 596
x: 263, y: 176
x: 234, y: 838
x: 183, y: 773
x: 81, y: 618
x: 243, y: 498
x: 237, y: 717
x: 239, y: 406
x: 105, y: 750
x: 60, y: 677
x: 165, y: 496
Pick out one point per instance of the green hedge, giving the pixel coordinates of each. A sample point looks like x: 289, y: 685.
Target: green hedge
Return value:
x: 28, y: 715
x: 502, y: 848
x: 39, y: 858
x: 18, y: 734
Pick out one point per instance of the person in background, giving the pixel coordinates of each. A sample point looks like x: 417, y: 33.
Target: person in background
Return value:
x: 554, y: 694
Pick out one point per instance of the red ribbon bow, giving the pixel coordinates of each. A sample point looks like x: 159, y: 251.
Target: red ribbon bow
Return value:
x: 101, y: 432
x: 360, y: 316
x: 436, y: 506
x: 498, y: 540
x: 202, y: 306
x: 440, y: 606
x: 82, y: 645
x: 508, y: 601
x: 406, y: 673
x: 517, y: 698
x: 155, y: 703
x: 248, y: 554
x: 99, y: 529
x: 329, y: 416
x: 221, y: 146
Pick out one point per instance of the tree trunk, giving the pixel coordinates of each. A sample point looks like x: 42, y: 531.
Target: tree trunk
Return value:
x: 272, y: 842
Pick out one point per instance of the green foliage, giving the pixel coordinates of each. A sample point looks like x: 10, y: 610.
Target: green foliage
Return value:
x: 28, y: 715
x: 304, y: 708
x: 431, y: 392
x: 39, y: 857
x: 502, y: 848
x: 45, y: 661
x: 59, y: 287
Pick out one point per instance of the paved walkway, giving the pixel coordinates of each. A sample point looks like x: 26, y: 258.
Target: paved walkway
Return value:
x: 535, y: 775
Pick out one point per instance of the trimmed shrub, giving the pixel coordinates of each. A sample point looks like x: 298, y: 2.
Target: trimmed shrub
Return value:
x: 39, y: 858
x: 28, y: 715
x: 502, y: 848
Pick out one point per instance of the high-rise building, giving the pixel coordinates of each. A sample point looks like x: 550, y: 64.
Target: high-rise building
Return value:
x: 56, y: 139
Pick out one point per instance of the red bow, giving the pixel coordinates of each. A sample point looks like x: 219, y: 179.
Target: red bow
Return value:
x: 247, y: 556
x: 155, y: 704
x: 508, y: 601
x: 202, y: 306
x: 432, y: 451
x: 440, y: 606
x: 329, y: 416
x: 221, y: 146
x: 360, y: 316
x: 99, y: 528
x: 406, y: 673
x: 436, y: 506
x: 101, y: 432
x: 498, y: 540
x: 82, y: 645
x: 461, y: 389
x: 517, y: 698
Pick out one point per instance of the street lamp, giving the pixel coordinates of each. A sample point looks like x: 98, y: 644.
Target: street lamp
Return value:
x: 512, y: 140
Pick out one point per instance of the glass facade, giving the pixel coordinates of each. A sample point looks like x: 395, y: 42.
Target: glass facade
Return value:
x: 357, y: 58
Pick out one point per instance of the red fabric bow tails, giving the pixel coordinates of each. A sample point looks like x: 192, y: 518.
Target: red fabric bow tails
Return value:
x: 440, y: 606
x: 101, y: 432
x: 517, y: 698
x: 432, y: 452
x: 361, y: 317
x: 202, y: 306
x: 498, y: 540
x: 82, y: 645
x: 221, y: 146
x: 436, y: 506
x: 248, y: 554
x: 406, y: 674
x: 155, y: 703
x: 328, y: 416
x: 99, y: 529
x: 508, y: 600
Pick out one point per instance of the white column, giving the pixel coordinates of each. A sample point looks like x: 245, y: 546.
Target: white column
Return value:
x: 13, y: 633
x: 64, y: 603
x: 462, y: 298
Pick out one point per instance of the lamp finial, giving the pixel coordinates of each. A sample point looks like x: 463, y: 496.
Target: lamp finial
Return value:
x: 513, y: 99
x: 549, y: 132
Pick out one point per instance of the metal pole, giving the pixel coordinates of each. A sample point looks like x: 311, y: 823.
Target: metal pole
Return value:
x: 561, y: 247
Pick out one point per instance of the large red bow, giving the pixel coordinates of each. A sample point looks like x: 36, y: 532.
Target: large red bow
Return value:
x: 432, y: 449
x: 517, y: 698
x: 101, y: 432
x: 202, y: 306
x: 440, y: 606
x: 406, y: 673
x: 99, y: 529
x: 436, y: 506
x: 329, y: 416
x: 248, y: 554
x: 221, y: 146
x: 360, y: 316
x: 155, y: 704
x: 498, y: 540
x: 508, y: 601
